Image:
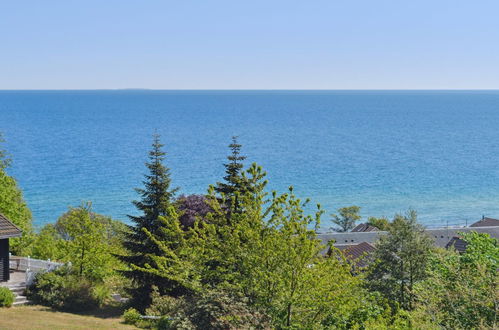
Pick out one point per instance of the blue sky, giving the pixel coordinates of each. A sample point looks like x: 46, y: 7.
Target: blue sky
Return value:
x: 234, y: 44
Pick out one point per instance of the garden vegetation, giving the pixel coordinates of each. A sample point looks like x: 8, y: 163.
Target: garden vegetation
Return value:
x: 241, y: 257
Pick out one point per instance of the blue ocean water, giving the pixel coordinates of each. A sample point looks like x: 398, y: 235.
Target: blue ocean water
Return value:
x: 386, y: 151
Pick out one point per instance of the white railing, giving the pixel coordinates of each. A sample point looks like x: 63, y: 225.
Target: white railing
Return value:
x: 36, y: 265
x: 32, y: 266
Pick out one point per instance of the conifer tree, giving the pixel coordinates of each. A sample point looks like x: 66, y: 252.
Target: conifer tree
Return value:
x: 234, y: 180
x: 236, y: 183
x: 155, y: 200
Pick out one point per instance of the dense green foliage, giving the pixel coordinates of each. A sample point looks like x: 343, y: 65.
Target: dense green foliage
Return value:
x: 131, y: 316
x: 346, y: 219
x: 216, y: 310
x: 156, y: 202
x: 84, y: 242
x: 239, y: 258
x: 83, y: 238
x: 380, y: 223
x: 6, y: 297
x: 268, y: 254
x: 401, y: 260
x: 87, y: 242
x: 65, y: 289
x: 461, y: 291
x: 13, y: 206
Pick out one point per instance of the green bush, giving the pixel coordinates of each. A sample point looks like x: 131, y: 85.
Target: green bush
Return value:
x: 162, y: 305
x: 131, y: 316
x: 63, y: 289
x: 6, y: 297
x: 101, y: 293
x: 164, y: 323
x: 218, y: 310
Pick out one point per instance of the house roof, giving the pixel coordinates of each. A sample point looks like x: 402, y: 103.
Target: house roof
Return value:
x: 458, y: 244
x: 486, y: 222
x: 8, y: 229
x: 359, y: 250
x: 441, y: 236
x: 363, y: 227
x: 359, y: 254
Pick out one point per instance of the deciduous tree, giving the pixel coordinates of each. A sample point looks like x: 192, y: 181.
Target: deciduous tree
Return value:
x: 269, y: 253
x: 380, y: 223
x: 84, y: 242
x: 347, y: 218
x: 192, y: 208
x: 401, y: 259
x: 13, y: 205
x: 461, y: 291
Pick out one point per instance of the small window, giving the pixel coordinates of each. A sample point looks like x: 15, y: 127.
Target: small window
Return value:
x: 442, y: 236
x: 352, y: 240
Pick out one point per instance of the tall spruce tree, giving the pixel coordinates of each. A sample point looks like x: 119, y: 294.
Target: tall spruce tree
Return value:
x: 155, y: 202
x: 235, y: 182
x: 234, y: 179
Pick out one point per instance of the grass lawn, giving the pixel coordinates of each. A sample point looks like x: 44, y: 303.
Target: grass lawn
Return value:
x: 39, y: 317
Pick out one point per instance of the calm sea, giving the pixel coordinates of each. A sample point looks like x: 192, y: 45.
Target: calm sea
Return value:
x: 386, y: 151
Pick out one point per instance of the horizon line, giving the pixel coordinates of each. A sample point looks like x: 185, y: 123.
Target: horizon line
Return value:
x: 251, y: 89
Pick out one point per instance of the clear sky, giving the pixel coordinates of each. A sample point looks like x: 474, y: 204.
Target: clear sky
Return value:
x: 271, y: 44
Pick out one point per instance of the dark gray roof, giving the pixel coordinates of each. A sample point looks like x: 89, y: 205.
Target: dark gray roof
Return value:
x: 441, y: 236
x: 8, y: 229
x: 458, y: 244
x: 362, y: 227
x: 486, y: 222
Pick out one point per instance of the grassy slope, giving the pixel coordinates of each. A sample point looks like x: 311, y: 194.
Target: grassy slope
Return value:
x: 39, y: 317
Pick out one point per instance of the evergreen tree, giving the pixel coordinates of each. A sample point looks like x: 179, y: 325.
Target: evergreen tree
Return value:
x: 235, y: 181
x: 156, y: 199
x: 271, y: 256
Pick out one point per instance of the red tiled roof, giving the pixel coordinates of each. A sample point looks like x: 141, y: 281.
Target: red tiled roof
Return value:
x: 8, y: 229
x: 363, y: 227
x: 357, y: 251
x: 486, y: 222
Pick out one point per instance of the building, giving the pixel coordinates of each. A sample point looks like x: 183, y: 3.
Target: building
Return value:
x: 441, y: 236
x: 486, y: 222
x: 458, y: 244
x: 7, y: 230
x: 359, y: 255
x: 363, y: 227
